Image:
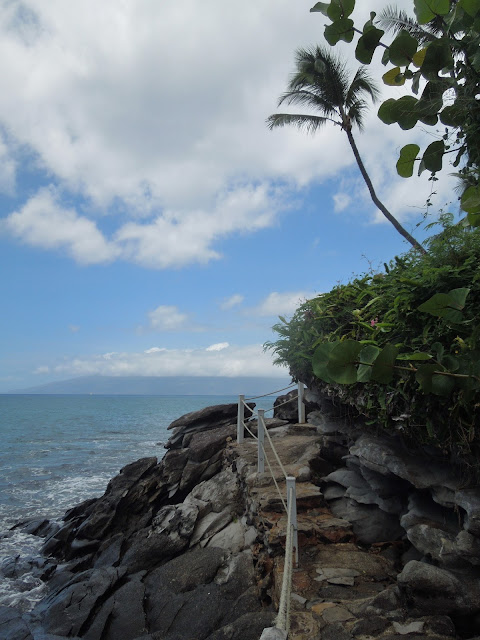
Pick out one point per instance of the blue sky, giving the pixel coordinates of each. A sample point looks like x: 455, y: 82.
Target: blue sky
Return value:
x: 150, y: 224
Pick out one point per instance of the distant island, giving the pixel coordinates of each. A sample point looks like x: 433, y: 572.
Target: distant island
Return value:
x: 159, y: 386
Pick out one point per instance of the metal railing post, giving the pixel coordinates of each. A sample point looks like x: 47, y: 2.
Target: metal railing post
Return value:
x: 261, y: 440
x: 292, y: 496
x: 240, y: 419
x: 301, y: 404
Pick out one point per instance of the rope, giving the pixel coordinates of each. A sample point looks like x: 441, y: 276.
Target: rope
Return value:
x: 252, y: 434
x: 277, y: 406
x: 275, y: 454
x: 283, y: 617
x: 272, y: 392
x: 274, y: 479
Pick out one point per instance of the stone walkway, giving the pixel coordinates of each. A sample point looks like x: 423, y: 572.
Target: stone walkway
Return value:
x: 340, y: 591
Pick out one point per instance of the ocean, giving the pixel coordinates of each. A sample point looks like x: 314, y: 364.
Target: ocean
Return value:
x: 57, y: 451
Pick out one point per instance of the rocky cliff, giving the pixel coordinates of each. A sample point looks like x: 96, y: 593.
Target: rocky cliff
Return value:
x: 192, y: 546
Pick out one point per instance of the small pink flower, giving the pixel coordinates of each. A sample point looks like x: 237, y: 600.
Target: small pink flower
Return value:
x: 373, y: 322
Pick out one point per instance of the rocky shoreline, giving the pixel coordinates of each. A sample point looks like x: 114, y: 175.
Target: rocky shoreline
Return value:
x: 191, y: 547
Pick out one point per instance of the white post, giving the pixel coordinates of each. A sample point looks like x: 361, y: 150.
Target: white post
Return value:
x: 301, y: 405
x: 261, y: 440
x: 240, y: 419
x: 292, y: 496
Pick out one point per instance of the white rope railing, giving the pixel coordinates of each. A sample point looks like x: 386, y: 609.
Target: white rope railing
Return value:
x: 290, y: 507
x: 272, y: 393
x: 283, y: 616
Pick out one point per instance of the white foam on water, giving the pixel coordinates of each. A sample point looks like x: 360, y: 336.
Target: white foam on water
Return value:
x: 68, y: 492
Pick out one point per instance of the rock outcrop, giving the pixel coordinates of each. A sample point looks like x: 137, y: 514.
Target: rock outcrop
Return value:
x: 193, y: 546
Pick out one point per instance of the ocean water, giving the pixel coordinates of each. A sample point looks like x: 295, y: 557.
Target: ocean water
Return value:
x: 57, y: 451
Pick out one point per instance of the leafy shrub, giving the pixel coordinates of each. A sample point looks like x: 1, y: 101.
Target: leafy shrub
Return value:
x: 402, y: 346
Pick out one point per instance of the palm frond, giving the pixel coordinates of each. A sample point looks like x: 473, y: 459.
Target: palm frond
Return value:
x: 310, y: 99
x: 394, y: 20
x: 307, y: 123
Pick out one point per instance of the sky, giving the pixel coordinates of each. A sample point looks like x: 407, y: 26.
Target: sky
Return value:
x: 150, y: 223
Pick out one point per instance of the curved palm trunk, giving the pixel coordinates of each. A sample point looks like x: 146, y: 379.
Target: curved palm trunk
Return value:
x: 375, y: 199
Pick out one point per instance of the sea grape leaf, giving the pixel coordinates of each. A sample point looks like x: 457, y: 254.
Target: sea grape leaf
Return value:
x: 473, y: 219
x: 383, y: 367
x: 402, y: 49
x: 470, y: 201
x: 367, y: 43
x: 393, y: 77
x: 320, y: 360
x: 367, y: 355
x: 425, y: 374
x: 342, y: 364
x: 438, y: 57
x: 387, y: 111
x: 419, y: 57
x: 446, y: 305
x: 472, y: 7
x: 451, y: 116
x: 408, y: 155
x: 339, y: 9
x: 426, y: 10
x: 321, y: 7
x: 433, y: 156
x: 339, y: 30
x: 406, y: 112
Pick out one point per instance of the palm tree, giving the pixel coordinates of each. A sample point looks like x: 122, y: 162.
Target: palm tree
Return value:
x: 322, y: 82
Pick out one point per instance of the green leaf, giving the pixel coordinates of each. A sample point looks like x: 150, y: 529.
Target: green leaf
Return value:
x: 393, y: 78
x: 426, y: 10
x: 425, y: 374
x: 340, y: 9
x: 414, y: 356
x: 451, y: 116
x: 446, y: 305
x: 419, y: 57
x: 406, y: 112
x: 367, y: 355
x: 470, y: 201
x: 438, y: 57
x: 383, y: 367
x: 321, y: 7
x: 342, y: 365
x: 408, y: 155
x: 433, y: 156
x: 388, y: 111
x: 367, y: 43
x: 402, y: 49
x: 442, y: 385
x: 386, y: 56
x: 320, y: 361
x: 473, y: 219
x: 339, y: 30
x: 472, y: 7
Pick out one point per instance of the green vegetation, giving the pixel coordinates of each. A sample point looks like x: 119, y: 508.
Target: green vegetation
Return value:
x: 438, y: 52
x: 403, y: 346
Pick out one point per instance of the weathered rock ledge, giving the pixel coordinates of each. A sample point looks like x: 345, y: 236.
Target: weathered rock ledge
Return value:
x: 191, y: 547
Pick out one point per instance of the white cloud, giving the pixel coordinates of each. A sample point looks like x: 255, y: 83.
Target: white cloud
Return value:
x: 281, y: 303
x: 153, y: 350
x: 123, y: 105
x: 230, y: 361
x: 218, y: 347
x: 341, y: 201
x: 74, y: 328
x: 232, y: 301
x: 41, y: 370
x: 43, y: 222
x: 167, y: 318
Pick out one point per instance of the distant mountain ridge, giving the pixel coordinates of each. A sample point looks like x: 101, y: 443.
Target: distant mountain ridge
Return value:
x: 165, y: 386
